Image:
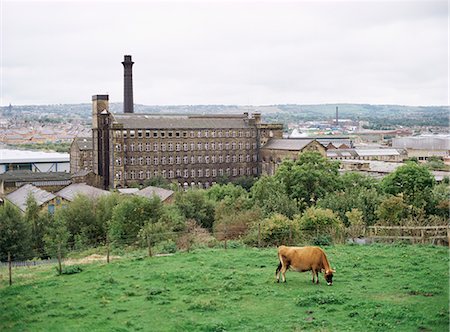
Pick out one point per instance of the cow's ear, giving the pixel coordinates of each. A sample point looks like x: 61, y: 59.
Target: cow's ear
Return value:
x: 333, y: 271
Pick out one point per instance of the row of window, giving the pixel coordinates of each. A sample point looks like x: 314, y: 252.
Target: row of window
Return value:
x: 147, y: 133
x: 185, y: 173
x: 199, y: 146
x: 185, y: 160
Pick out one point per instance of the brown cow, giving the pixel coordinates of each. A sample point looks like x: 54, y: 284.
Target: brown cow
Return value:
x: 303, y: 259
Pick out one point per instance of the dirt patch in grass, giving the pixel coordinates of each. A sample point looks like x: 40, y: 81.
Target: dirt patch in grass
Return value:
x: 90, y: 259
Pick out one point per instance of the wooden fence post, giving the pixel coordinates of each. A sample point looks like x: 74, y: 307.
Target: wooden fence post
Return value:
x: 59, y: 258
x: 107, y: 248
x: 225, y: 236
x: 9, y: 268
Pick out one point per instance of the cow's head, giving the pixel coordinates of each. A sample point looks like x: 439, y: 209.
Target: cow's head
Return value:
x: 329, y: 277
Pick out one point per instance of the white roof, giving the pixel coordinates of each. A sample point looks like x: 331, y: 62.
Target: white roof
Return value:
x: 377, y: 152
x: 128, y: 191
x: 24, y: 156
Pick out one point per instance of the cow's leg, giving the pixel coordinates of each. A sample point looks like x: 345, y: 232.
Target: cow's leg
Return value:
x: 284, y: 267
x: 317, y: 276
x: 313, y: 274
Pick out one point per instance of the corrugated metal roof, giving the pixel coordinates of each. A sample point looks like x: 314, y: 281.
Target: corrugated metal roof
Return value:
x: 24, y: 156
x: 152, y: 121
x: 150, y: 191
x: 70, y: 192
x: 292, y: 144
x: 377, y: 152
x: 25, y: 175
x: 19, y: 197
x: 422, y: 142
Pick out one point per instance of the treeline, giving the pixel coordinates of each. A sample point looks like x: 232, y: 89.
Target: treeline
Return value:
x: 306, y: 201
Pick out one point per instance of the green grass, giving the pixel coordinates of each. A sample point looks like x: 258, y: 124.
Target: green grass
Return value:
x: 376, y: 288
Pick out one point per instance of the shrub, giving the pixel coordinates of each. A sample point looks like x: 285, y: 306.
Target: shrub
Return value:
x: 275, y: 230
x: 317, y: 222
x: 322, y: 240
x: 70, y: 269
x: 166, y: 247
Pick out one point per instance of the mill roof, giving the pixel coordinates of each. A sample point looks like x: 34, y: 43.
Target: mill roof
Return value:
x: 83, y: 143
x: 291, y: 144
x: 152, y: 121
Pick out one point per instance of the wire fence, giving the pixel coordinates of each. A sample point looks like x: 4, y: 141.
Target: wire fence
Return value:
x: 163, y: 242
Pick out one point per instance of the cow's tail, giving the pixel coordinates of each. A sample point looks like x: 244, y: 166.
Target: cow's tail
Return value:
x: 278, y: 269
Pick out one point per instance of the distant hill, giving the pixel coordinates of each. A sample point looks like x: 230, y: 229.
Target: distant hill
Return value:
x: 383, y: 114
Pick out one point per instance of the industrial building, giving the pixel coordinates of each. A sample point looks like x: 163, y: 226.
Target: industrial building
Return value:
x: 35, y: 161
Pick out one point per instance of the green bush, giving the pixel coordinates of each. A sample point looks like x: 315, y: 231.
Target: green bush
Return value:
x: 320, y: 225
x: 166, y: 247
x: 322, y: 240
x: 70, y: 269
x: 275, y: 230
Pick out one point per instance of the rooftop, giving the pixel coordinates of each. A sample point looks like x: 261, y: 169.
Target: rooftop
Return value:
x: 25, y: 156
x: 150, y: 191
x: 70, y: 192
x: 152, y: 121
x: 29, y: 176
x: 84, y: 143
x: 19, y: 197
x: 291, y: 144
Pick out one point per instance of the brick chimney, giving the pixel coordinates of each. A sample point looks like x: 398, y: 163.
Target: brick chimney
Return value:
x: 127, y: 84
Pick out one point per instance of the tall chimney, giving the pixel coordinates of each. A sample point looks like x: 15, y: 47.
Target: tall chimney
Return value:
x: 337, y: 117
x: 127, y: 84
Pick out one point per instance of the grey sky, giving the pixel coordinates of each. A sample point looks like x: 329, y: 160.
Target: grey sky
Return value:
x: 235, y: 52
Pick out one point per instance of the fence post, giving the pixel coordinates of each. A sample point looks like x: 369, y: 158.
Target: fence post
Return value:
x: 107, y: 248
x: 259, y: 235
x: 59, y: 258
x: 225, y: 236
x: 448, y: 236
x: 9, y: 268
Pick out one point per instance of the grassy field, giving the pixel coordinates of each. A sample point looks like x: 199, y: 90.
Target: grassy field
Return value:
x: 376, y: 288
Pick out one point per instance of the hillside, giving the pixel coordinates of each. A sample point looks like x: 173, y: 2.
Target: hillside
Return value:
x: 376, y: 114
x: 376, y: 288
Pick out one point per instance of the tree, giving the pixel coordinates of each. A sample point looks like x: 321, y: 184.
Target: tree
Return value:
x: 357, y: 226
x: 56, y: 236
x: 441, y: 199
x: 194, y: 204
x: 130, y: 216
x: 316, y: 222
x: 414, y: 182
x: 270, y: 195
x: 104, y: 207
x: 37, y: 222
x: 357, y: 191
x: 14, y: 234
x: 392, y: 210
x: 308, y: 178
x: 79, y: 218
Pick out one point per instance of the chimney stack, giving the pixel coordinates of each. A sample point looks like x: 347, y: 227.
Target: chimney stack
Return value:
x: 337, y: 117
x: 127, y: 84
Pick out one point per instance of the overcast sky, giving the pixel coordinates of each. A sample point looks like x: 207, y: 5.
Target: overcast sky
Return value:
x: 234, y: 52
